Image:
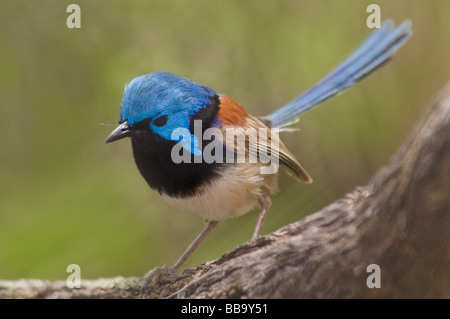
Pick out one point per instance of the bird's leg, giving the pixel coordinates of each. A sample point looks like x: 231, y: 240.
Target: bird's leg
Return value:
x: 210, y: 226
x: 264, y: 206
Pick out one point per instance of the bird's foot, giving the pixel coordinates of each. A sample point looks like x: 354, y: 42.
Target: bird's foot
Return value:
x: 155, y: 279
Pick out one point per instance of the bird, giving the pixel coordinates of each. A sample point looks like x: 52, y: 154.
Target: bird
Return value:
x: 178, y: 130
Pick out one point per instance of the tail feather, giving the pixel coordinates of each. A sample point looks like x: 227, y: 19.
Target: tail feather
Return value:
x: 376, y: 50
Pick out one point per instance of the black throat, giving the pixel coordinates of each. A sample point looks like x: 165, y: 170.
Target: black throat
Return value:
x: 153, y: 156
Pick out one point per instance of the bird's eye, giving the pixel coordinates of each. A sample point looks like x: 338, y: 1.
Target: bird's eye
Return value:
x: 161, y: 121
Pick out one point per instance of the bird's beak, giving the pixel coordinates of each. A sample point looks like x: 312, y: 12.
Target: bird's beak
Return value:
x: 123, y: 130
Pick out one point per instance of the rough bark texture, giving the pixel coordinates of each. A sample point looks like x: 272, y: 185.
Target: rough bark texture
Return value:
x: 400, y: 221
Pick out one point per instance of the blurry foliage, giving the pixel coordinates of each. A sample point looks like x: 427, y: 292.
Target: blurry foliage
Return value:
x: 66, y: 197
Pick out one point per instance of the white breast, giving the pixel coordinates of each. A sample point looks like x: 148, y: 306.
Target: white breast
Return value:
x: 233, y: 194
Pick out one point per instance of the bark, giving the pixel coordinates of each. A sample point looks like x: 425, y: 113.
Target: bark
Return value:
x: 399, y: 221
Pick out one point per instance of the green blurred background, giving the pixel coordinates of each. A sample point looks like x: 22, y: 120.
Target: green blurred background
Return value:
x: 66, y: 197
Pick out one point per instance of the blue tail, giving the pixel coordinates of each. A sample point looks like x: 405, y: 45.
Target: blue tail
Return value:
x: 377, y: 49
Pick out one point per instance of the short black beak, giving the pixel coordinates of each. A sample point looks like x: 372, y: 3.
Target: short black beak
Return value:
x: 123, y: 130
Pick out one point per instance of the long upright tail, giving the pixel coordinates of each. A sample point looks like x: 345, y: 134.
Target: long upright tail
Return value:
x: 377, y: 49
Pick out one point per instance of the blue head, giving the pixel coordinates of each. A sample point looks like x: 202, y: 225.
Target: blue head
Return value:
x: 162, y: 102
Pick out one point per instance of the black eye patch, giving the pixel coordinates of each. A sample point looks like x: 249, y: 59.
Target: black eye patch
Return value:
x: 142, y: 125
x: 160, y: 121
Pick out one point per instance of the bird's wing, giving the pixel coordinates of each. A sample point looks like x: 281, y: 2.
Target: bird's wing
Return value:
x: 246, y: 136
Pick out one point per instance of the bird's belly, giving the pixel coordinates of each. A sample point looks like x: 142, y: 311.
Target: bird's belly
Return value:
x: 233, y: 194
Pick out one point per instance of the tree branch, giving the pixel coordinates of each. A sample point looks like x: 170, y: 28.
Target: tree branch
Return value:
x: 400, y: 221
